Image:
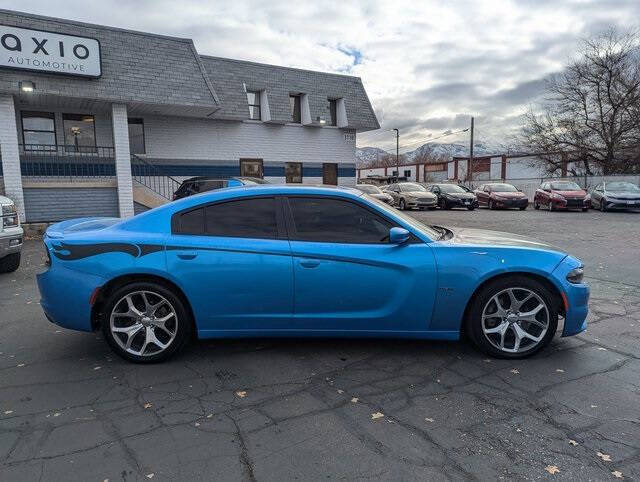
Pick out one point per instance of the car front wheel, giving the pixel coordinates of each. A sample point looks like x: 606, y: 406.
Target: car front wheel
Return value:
x: 145, y: 322
x: 402, y: 205
x: 512, y: 317
x: 10, y: 263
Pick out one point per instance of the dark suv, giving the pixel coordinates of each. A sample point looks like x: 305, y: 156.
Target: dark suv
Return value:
x: 196, y: 185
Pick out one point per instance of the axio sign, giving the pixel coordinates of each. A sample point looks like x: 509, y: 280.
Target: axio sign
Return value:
x: 39, y: 51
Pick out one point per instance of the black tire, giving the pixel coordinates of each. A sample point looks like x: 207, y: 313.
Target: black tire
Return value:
x: 402, y: 205
x: 522, y: 208
x: 473, y: 322
x: 471, y: 208
x: 490, y: 205
x: 184, y: 321
x: 10, y: 263
x: 536, y: 205
x: 603, y: 208
x: 551, y: 208
x: 584, y: 210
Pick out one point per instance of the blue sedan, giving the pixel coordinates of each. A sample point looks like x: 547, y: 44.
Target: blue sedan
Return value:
x: 298, y: 261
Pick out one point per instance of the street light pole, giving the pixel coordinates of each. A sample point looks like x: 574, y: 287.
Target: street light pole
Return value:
x: 397, y: 153
x: 470, y: 167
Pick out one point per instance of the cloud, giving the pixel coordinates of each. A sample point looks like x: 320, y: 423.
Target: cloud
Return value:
x: 427, y: 66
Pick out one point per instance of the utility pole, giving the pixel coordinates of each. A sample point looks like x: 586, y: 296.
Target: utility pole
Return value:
x: 470, y: 167
x: 397, y: 153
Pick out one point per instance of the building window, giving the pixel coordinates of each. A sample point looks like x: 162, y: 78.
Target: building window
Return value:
x: 38, y: 129
x: 79, y: 132
x: 407, y: 173
x: 253, y: 99
x: 251, y: 168
x: 293, y: 172
x: 136, y: 136
x: 333, y: 115
x: 294, y: 101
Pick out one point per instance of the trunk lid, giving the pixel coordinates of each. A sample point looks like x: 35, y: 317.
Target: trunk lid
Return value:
x: 78, y: 225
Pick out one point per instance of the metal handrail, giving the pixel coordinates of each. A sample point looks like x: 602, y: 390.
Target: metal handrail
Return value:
x: 153, y: 178
x: 64, y: 161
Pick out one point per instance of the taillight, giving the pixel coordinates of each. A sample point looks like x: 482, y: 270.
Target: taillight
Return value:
x: 48, y: 260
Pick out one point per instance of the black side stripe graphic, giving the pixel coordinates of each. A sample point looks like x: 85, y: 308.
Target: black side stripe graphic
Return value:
x: 70, y: 252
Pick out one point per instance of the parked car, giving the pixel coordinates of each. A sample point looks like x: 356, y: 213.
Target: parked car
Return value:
x: 10, y: 236
x: 561, y: 195
x: 196, y: 185
x: 453, y: 196
x: 303, y: 261
x: 408, y: 195
x: 501, y: 195
x: 615, y: 195
x: 375, y: 192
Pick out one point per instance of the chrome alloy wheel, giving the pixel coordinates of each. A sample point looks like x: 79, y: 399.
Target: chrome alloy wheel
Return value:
x: 515, y: 320
x: 143, y: 323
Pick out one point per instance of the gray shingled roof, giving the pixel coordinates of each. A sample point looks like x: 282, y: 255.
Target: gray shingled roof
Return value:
x: 144, y: 70
x: 136, y: 67
x: 228, y: 77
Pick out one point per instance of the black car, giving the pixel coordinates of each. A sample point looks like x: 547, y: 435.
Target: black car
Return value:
x: 615, y: 195
x: 453, y: 196
x: 196, y: 185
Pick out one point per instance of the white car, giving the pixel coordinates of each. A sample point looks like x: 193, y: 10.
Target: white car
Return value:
x: 10, y: 236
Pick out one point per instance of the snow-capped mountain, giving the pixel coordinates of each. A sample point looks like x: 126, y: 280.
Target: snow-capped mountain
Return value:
x: 435, y: 150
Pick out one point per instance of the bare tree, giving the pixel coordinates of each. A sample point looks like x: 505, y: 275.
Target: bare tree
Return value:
x: 591, y: 117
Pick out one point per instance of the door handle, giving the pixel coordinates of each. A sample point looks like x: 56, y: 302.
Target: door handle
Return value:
x: 309, y: 263
x: 187, y: 256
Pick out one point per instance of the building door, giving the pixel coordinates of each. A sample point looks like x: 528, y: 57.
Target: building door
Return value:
x: 330, y: 174
x: 251, y: 168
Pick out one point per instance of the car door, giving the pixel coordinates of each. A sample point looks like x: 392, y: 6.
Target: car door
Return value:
x: 543, y: 194
x: 232, y: 260
x: 482, y: 194
x: 348, y: 277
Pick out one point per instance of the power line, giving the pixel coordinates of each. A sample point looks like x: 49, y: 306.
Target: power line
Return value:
x: 435, y: 138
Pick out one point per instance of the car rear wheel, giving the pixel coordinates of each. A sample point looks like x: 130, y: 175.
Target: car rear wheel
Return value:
x: 522, y: 208
x: 471, y: 208
x: 10, y: 263
x: 536, y: 205
x: 146, y: 322
x: 513, y: 317
x: 603, y: 208
x: 402, y: 205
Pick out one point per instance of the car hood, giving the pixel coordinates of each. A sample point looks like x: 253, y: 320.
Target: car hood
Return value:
x: 484, y: 237
x: 379, y: 195
x: 509, y: 195
x: 623, y: 194
x: 460, y: 195
x: 421, y: 194
x: 570, y: 194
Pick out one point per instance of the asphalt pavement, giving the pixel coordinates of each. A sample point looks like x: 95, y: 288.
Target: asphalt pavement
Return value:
x: 335, y: 409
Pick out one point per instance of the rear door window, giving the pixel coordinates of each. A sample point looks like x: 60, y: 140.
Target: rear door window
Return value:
x: 245, y: 218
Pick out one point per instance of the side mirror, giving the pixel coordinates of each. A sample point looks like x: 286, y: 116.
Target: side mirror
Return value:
x: 398, y: 235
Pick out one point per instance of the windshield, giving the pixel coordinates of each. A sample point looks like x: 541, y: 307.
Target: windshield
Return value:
x: 450, y: 188
x: 502, y: 188
x: 565, y: 186
x: 621, y: 186
x: 368, y: 188
x: 411, y: 187
x: 411, y: 221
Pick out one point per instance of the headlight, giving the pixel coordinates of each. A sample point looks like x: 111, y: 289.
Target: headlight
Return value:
x: 575, y: 275
x: 557, y: 196
x: 9, y: 215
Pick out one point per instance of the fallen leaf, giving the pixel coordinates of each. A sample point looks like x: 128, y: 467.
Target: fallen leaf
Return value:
x: 427, y: 419
x: 487, y: 360
x: 354, y: 400
x: 147, y: 405
x: 377, y: 415
x: 197, y: 424
x: 617, y: 474
x: 150, y: 476
x: 573, y: 442
x: 602, y: 348
x: 559, y: 370
x: 20, y: 364
x: 594, y: 406
x: 210, y: 415
x: 514, y: 371
x: 8, y: 412
x: 605, y: 457
x: 97, y: 368
x: 552, y: 469
x: 340, y: 392
x: 241, y: 394
x: 518, y: 430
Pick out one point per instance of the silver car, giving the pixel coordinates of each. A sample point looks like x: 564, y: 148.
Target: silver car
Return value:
x: 10, y: 236
x: 408, y: 195
x: 375, y: 192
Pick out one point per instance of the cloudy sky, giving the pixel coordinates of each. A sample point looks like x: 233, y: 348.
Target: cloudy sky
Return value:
x: 427, y: 65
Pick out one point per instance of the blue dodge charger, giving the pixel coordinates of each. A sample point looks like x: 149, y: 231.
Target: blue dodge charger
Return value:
x: 303, y: 261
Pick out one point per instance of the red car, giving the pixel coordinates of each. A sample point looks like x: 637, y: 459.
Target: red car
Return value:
x: 561, y: 195
x: 501, y: 195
